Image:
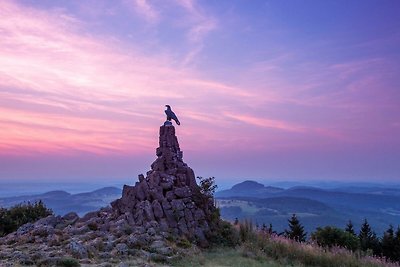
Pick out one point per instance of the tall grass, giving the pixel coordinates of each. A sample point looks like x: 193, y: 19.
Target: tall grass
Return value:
x: 261, y: 248
x: 262, y: 245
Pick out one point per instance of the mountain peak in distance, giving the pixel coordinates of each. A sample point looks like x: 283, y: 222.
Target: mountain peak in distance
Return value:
x: 247, y: 185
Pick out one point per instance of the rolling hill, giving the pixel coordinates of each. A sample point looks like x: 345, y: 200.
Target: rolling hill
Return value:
x: 314, y: 206
x: 62, y: 202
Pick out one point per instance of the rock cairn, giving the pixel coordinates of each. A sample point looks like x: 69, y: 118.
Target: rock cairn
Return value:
x: 168, y: 196
x: 149, y: 221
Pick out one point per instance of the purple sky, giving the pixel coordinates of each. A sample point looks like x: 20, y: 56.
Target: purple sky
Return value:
x: 267, y: 90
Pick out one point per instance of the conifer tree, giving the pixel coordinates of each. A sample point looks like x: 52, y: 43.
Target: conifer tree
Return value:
x: 396, y: 247
x: 270, y: 230
x: 365, y: 235
x: 296, y: 230
x: 368, y: 239
x: 388, y: 243
x: 350, y: 228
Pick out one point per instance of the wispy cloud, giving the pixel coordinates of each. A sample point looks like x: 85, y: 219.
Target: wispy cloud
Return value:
x: 91, y: 90
x: 267, y: 123
x: 201, y: 24
x: 145, y: 9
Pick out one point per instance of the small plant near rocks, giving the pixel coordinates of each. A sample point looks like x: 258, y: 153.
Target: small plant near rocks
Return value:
x: 184, y: 243
x: 170, y: 238
x: 93, y: 226
x: 68, y: 262
x: 224, y: 234
x: 127, y: 229
x: 207, y: 186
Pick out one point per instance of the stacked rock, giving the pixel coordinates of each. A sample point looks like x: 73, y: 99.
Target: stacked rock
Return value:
x: 168, y: 197
x: 166, y: 203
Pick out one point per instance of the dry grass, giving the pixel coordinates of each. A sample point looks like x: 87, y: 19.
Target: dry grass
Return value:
x: 262, y: 249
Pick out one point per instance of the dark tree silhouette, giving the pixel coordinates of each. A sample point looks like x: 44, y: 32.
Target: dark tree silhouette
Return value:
x: 296, y: 230
x: 270, y: 230
x: 388, y: 243
x: 350, y: 228
x: 368, y: 239
x: 396, y: 248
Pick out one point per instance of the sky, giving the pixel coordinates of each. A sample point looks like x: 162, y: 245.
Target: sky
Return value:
x: 265, y: 90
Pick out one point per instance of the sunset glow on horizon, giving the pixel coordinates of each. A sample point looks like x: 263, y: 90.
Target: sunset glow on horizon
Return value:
x: 264, y: 90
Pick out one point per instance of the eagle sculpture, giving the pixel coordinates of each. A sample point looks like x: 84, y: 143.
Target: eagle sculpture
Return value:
x: 171, y: 115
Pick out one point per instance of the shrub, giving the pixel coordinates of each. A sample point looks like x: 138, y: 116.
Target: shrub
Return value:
x: 184, y: 243
x: 68, y: 262
x: 93, y: 226
x: 329, y: 236
x: 207, y: 186
x: 224, y: 234
x: 11, y: 219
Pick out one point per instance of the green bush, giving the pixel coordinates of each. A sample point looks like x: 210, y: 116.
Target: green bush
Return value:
x: 68, y: 262
x: 184, y: 243
x: 93, y: 226
x: 224, y: 234
x: 330, y: 236
x: 11, y: 219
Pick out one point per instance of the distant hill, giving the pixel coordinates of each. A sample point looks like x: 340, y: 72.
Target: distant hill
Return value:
x: 368, y: 190
x: 62, y: 202
x: 249, y: 188
x: 313, y: 205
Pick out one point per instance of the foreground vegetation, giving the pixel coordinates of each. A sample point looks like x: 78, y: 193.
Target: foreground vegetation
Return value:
x: 280, y: 254
x: 261, y: 248
x: 246, y: 245
x: 11, y: 219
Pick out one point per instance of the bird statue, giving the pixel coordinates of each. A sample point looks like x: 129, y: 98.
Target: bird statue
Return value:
x: 171, y: 115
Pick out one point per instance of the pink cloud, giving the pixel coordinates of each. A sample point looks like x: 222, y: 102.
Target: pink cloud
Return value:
x: 62, y: 90
x: 266, y: 123
x: 145, y: 9
x: 98, y: 94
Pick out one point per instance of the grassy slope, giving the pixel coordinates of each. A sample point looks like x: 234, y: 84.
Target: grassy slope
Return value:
x: 225, y: 257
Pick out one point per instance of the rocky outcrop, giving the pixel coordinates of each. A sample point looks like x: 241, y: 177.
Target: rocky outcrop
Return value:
x: 162, y: 209
x: 168, y: 196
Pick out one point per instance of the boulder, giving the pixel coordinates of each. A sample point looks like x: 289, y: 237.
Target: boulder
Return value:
x: 177, y: 204
x: 157, y: 209
x: 78, y: 250
x: 183, y: 192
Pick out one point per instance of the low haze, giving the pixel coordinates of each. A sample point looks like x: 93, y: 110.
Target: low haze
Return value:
x: 267, y: 90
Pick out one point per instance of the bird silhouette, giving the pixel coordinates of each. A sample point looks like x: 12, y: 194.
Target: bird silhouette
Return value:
x: 171, y: 115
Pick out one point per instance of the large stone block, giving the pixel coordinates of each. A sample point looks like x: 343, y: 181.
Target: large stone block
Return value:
x: 183, y: 192
x: 177, y: 204
x: 148, y: 210
x: 171, y: 218
x: 157, y: 209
